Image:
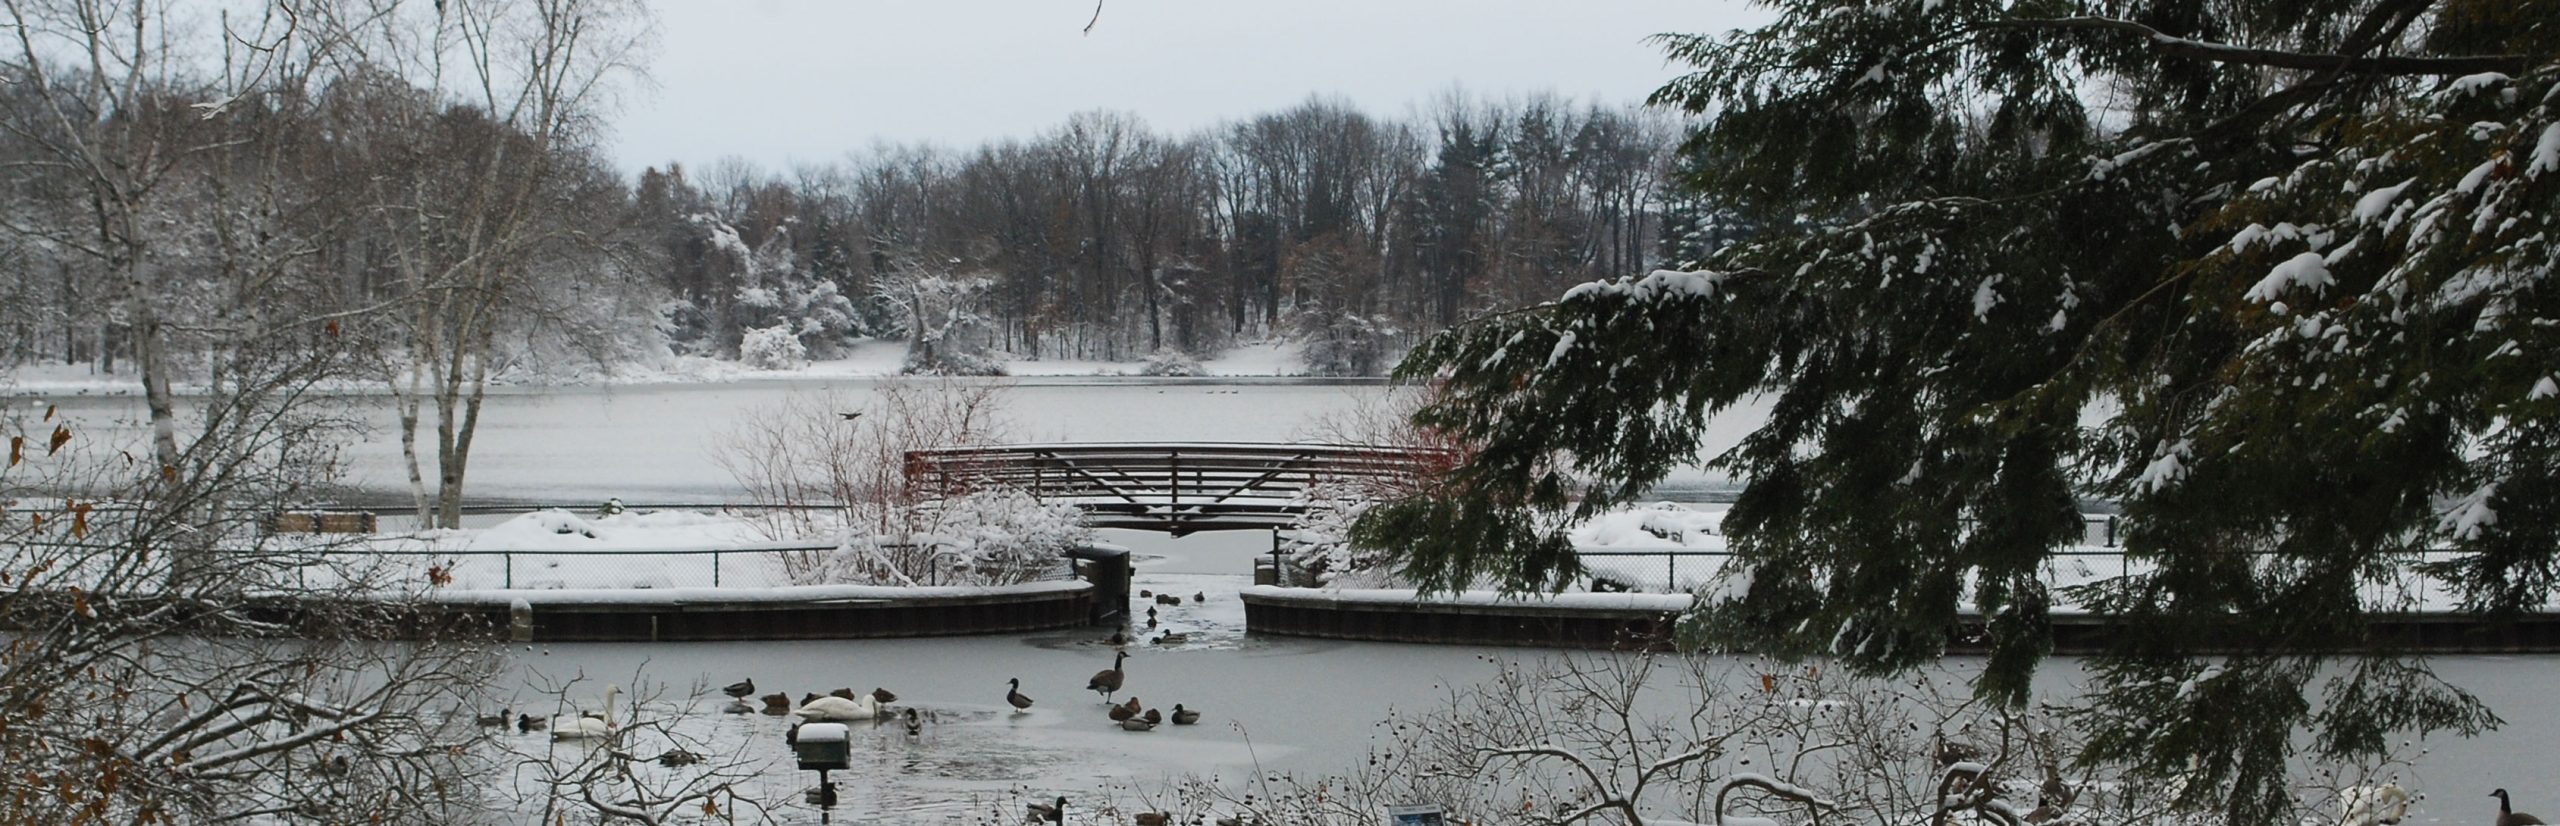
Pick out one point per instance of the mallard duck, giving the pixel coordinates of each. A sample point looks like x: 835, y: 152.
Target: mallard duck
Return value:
x: 741, y: 688
x: 777, y: 704
x: 678, y: 757
x: 1153, y: 717
x: 1125, y: 710
x: 501, y: 718
x: 1137, y: 724
x: 883, y: 696
x: 915, y: 723
x: 1183, y: 716
x: 527, y: 724
x: 1013, y: 695
x: 1047, y: 812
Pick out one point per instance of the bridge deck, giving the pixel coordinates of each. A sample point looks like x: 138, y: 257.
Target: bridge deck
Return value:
x: 1175, y: 487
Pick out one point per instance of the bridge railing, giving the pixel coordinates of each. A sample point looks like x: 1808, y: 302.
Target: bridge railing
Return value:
x: 1179, y: 486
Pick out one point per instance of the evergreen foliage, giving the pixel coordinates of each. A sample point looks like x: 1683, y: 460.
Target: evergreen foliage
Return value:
x: 2272, y: 277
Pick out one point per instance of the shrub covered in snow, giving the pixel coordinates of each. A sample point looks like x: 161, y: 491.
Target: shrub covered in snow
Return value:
x: 986, y: 537
x: 773, y: 348
x: 1172, y: 362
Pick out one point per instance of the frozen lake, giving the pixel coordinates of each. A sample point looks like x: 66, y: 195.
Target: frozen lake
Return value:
x: 660, y: 443
x: 1280, y: 705
x: 1273, y: 705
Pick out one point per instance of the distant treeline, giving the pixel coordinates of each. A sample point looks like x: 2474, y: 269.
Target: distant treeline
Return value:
x: 354, y: 189
x: 1103, y: 239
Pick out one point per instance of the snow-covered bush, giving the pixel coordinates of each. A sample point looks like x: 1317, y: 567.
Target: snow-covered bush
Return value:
x: 1172, y: 362
x: 1321, y: 547
x: 986, y: 537
x: 772, y: 348
x: 826, y: 449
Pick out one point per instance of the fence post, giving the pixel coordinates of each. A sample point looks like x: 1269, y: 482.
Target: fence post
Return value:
x: 510, y: 558
x: 715, y: 569
x: 1674, y: 586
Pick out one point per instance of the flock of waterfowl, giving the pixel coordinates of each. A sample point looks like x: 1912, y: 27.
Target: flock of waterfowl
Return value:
x: 847, y: 705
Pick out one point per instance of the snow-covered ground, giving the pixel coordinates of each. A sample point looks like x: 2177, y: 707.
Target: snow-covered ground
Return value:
x: 870, y: 359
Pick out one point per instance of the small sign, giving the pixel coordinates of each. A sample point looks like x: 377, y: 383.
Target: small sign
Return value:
x: 1416, y: 814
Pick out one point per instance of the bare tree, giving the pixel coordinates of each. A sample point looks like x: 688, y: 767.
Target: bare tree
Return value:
x: 234, y: 691
x: 467, y: 194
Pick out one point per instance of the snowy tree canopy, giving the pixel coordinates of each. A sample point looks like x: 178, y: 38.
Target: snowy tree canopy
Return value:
x: 2270, y: 276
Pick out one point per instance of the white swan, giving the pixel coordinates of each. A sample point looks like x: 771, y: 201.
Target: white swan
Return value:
x: 862, y: 707
x: 2372, y: 805
x: 582, y: 727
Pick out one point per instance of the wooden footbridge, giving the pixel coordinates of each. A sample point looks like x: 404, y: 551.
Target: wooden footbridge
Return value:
x: 1178, y: 488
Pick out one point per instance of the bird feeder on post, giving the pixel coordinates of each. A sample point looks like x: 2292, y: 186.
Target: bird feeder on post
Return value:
x: 823, y: 747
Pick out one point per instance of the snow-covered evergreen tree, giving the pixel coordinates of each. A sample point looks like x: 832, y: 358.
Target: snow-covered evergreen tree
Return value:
x: 2274, y: 277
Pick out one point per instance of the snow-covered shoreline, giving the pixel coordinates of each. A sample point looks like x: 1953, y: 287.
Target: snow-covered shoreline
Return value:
x: 869, y: 360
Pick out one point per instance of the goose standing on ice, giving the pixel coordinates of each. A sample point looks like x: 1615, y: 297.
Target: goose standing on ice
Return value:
x: 2508, y: 816
x: 1013, y: 695
x: 1107, y: 682
x: 583, y: 727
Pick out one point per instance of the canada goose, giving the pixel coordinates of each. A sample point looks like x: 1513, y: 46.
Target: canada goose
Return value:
x: 883, y: 696
x: 678, y: 757
x: 494, y: 720
x: 838, y: 709
x: 528, y: 724
x: 1153, y: 717
x: 1013, y: 694
x: 583, y: 727
x: 2508, y: 816
x: 1125, y: 710
x: 737, y: 707
x: 1046, y: 812
x: 1184, y: 717
x: 1152, y: 819
x: 2372, y: 805
x: 776, y: 704
x: 915, y: 722
x: 1137, y: 724
x: 1107, y: 682
x: 740, y: 688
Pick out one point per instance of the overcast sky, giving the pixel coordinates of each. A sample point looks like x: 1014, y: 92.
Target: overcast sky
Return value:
x: 779, y: 82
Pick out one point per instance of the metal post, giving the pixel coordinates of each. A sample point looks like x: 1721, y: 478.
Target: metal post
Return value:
x: 715, y: 569
x: 1673, y: 587
x: 510, y: 558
